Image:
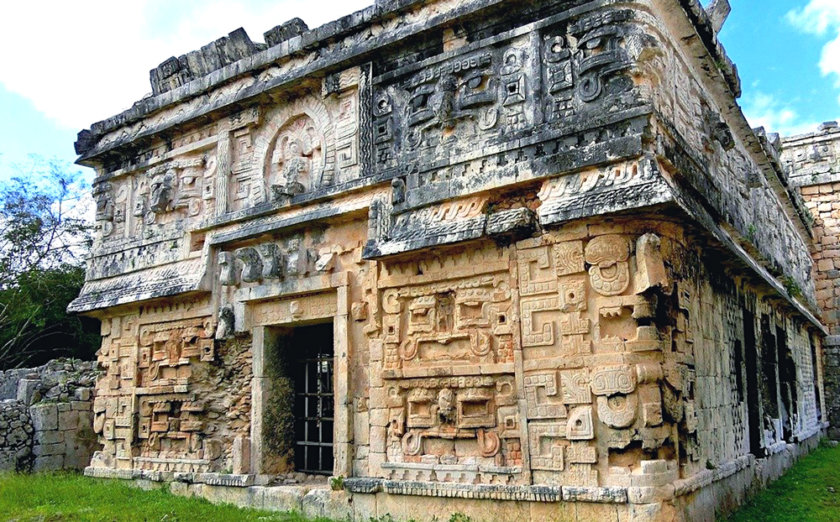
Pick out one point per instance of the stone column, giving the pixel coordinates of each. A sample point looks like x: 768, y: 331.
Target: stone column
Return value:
x: 343, y: 443
x: 259, y: 392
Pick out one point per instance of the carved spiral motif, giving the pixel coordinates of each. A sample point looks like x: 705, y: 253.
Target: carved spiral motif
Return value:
x: 589, y: 88
x: 610, y: 281
x: 412, y: 443
x: 483, y: 346
x: 618, y: 411
x: 408, y: 350
x: 488, y: 443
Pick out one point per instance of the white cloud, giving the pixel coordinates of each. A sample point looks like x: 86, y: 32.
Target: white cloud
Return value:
x: 822, y: 18
x: 817, y: 17
x: 82, y: 61
x: 763, y: 110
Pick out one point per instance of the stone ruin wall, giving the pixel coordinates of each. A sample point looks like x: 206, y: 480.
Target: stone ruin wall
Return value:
x: 170, y: 397
x: 735, y: 175
x: 812, y: 163
x: 536, y: 240
x: 45, y: 416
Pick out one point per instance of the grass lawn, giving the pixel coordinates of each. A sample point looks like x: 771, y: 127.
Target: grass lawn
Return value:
x: 68, y: 496
x: 810, y: 491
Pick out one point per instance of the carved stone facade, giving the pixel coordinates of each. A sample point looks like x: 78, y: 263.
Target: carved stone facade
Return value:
x: 465, y: 260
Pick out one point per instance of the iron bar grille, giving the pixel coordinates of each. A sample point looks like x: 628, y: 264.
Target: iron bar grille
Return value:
x: 313, y: 406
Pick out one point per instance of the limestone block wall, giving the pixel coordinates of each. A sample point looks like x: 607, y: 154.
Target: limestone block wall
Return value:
x: 755, y: 366
x: 812, y: 162
x: 46, y: 418
x: 615, y: 355
x: 706, y: 143
x: 824, y: 202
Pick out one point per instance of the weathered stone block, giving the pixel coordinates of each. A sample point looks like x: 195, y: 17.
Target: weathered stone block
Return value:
x: 48, y: 463
x: 241, y: 455
x: 48, y: 437
x: 27, y: 391
x: 80, y: 405
x: 314, y: 503
x: 283, y: 498
x: 68, y: 420
x: 44, y: 417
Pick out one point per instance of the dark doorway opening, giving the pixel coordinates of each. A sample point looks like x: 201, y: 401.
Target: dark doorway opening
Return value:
x: 738, y: 368
x: 751, y: 363
x: 815, y: 370
x: 787, y: 384
x: 769, y: 363
x: 312, y: 373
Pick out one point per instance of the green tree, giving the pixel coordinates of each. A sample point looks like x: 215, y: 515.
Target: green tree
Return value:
x: 44, y: 238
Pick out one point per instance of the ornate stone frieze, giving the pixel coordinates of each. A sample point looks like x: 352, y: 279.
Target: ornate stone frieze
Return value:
x: 153, y: 409
x: 482, y: 94
x: 618, y: 187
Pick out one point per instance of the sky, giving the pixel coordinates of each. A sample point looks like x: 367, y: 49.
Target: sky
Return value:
x: 68, y: 64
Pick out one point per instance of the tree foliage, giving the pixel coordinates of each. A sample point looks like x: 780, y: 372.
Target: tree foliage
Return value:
x: 44, y: 238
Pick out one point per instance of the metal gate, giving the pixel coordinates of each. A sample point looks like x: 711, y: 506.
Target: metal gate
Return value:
x: 313, y: 408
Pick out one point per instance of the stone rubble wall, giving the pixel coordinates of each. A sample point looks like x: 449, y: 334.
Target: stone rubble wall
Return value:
x: 15, y: 436
x: 46, y: 419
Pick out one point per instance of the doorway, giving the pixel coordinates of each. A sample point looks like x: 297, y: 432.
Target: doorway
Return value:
x: 311, y: 368
x: 751, y: 367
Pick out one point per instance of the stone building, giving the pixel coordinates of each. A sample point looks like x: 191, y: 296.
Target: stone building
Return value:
x: 517, y: 259
x: 812, y: 163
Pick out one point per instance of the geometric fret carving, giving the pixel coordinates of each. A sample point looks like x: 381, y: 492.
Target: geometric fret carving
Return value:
x: 542, y: 392
x: 546, y: 447
x: 536, y: 272
x: 531, y: 335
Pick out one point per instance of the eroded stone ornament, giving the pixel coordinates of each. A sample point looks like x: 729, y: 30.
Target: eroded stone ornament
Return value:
x: 610, y: 272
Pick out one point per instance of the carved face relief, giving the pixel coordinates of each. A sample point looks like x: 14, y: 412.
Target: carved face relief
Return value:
x: 439, y: 99
x: 172, y: 348
x: 600, y: 51
x: 296, y: 161
x: 446, y: 405
x: 104, y: 198
x: 104, y: 202
x: 162, y: 191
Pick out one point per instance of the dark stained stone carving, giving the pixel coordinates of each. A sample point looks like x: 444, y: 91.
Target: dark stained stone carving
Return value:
x: 285, y: 31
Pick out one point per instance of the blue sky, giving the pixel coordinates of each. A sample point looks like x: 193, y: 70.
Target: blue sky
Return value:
x: 68, y: 64
x: 788, y: 57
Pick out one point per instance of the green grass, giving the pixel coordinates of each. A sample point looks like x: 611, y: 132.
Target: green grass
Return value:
x: 809, y: 491
x: 68, y: 496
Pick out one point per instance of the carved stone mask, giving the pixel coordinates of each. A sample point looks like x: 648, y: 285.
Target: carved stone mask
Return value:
x: 162, y: 189
x: 104, y: 205
x: 446, y: 405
